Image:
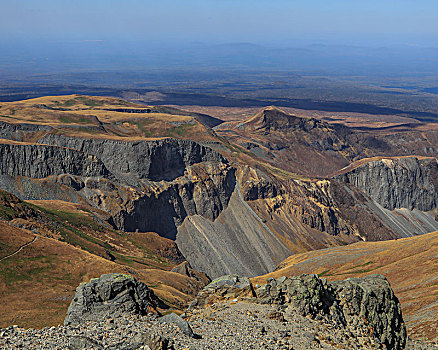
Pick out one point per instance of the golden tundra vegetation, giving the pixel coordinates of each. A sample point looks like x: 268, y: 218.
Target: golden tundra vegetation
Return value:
x: 409, y: 264
x: 37, y: 283
x: 72, y: 245
x: 102, y: 117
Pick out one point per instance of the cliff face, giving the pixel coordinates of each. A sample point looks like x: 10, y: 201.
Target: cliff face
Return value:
x: 398, y: 183
x: 311, y: 202
x: 39, y: 161
x: 151, y: 187
x: 164, y: 159
x: 205, y: 190
x: 19, y: 132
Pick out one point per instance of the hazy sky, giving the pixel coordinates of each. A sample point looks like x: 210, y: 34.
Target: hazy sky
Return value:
x: 343, y: 21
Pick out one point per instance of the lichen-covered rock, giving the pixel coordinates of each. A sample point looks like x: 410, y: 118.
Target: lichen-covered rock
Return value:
x: 111, y: 295
x: 223, y: 288
x: 367, y: 306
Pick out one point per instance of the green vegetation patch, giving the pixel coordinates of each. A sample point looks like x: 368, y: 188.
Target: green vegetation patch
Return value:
x: 70, y: 119
x: 18, y: 269
x: 142, y: 125
x: 90, y: 102
x: 180, y: 130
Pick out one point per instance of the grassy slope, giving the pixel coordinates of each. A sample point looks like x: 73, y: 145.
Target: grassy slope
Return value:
x: 410, y: 265
x: 36, y: 285
x: 101, y: 117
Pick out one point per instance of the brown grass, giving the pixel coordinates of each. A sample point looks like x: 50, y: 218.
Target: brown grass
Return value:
x: 37, y: 284
x: 94, y: 117
x: 409, y: 264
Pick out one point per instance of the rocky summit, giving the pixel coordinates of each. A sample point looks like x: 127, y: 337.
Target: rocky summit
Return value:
x: 301, y: 312
x: 110, y: 296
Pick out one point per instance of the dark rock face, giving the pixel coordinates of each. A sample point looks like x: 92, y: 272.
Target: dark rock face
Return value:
x: 39, y: 161
x: 206, y: 193
x: 17, y: 132
x: 110, y: 295
x: 365, y: 307
x: 154, y: 160
x: 398, y: 183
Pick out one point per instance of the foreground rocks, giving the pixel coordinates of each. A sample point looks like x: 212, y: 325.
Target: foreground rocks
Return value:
x: 110, y: 295
x: 365, y: 307
x: 302, y: 312
x: 223, y: 325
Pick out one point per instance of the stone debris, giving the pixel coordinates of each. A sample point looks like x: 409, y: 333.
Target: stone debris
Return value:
x: 110, y: 295
x: 300, y: 313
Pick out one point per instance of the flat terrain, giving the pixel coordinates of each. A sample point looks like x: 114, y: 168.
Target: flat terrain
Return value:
x: 103, y: 117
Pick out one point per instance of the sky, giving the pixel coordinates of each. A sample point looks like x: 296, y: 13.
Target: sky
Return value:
x: 362, y: 22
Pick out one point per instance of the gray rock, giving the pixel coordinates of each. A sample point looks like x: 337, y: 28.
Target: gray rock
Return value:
x: 82, y: 342
x: 39, y: 161
x: 364, y: 306
x: 154, y: 160
x: 183, y: 325
x: 110, y: 295
x: 223, y: 288
x: 398, y: 183
x: 145, y: 340
x: 16, y: 131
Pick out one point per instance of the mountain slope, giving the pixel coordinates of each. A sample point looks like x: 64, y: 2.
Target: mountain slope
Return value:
x: 46, y: 252
x: 409, y: 264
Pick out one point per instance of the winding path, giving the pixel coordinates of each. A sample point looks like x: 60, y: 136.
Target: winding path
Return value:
x: 19, y: 249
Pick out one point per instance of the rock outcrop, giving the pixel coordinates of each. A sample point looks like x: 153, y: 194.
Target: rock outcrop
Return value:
x: 39, y: 161
x: 407, y: 182
x: 205, y: 190
x: 110, y: 295
x: 365, y: 307
x: 19, y: 132
x: 225, y: 287
x: 158, y: 160
x: 186, y: 270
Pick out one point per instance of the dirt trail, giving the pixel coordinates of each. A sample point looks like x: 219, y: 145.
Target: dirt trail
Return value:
x: 19, y: 249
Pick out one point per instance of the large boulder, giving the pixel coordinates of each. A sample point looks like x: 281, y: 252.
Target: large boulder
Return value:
x: 110, y: 295
x: 367, y: 307
x: 223, y: 288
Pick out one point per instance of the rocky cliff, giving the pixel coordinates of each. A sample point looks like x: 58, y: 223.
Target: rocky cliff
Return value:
x: 39, y: 161
x: 204, y: 190
x: 366, y: 308
x: 151, y: 186
x: 22, y: 131
x: 158, y: 160
x: 407, y: 182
